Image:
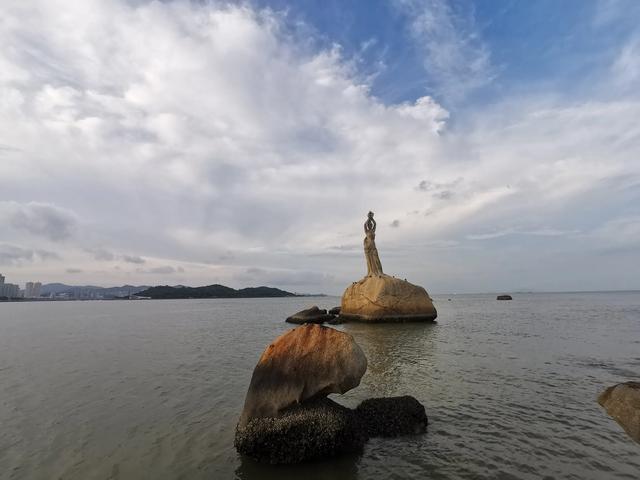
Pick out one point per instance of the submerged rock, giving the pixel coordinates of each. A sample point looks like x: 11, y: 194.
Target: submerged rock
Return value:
x: 622, y: 402
x: 392, y: 416
x: 382, y: 298
x: 323, y: 428
x: 308, y: 362
x: 504, y: 297
x: 310, y: 315
x: 317, y: 429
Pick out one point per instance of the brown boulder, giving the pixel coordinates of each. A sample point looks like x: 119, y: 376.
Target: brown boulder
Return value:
x: 622, y: 402
x: 382, y: 298
x: 308, y: 362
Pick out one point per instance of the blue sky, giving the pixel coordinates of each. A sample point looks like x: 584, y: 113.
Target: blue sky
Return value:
x: 243, y: 143
x: 533, y: 46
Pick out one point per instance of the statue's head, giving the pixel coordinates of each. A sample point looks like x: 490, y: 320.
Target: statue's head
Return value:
x: 370, y: 214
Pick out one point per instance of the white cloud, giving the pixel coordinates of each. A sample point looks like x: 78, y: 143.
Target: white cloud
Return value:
x: 164, y: 270
x: 456, y: 60
x: 626, y: 67
x: 39, y: 219
x: 621, y: 233
x: 17, y: 256
x: 208, y: 135
x: 543, y: 232
x: 133, y: 259
x: 101, y: 254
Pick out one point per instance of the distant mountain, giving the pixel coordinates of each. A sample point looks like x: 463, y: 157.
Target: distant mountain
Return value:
x: 90, y: 291
x: 212, y: 291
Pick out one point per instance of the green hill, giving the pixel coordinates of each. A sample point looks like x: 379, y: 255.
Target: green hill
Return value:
x: 212, y: 291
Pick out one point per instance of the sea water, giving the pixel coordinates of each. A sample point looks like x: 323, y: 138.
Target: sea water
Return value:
x: 153, y: 389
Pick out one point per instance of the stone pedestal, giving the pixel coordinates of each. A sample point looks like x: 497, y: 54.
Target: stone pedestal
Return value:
x: 383, y: 298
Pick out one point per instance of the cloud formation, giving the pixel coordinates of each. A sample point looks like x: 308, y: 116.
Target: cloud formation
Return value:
x: 133, y: 259
x: 212, y: 135
x: 39, y: 219
x: 13, y: 255
x: 456, y: 60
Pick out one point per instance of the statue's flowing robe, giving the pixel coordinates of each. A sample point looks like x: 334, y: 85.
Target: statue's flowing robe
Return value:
x: 374, y: 267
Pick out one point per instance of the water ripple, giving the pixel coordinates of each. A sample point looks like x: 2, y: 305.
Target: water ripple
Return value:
x: 128, y: 390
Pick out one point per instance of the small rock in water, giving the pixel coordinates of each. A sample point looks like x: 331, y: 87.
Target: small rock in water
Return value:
x: 334, y: 311
x: 392, y: 416
x: 504, y: 297
x: 310, y: 315
x: 622, y: 402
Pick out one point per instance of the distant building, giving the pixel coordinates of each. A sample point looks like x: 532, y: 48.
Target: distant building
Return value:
x: 32, y: 290
x: 9, y: 290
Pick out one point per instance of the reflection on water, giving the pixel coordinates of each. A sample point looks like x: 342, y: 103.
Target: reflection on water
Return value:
x: 343, y: 468
x: 395, y: 353
x: 137, y: 390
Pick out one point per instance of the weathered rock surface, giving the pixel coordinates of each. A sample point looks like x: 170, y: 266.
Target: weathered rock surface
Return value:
x: 316, y: 429
x: 308, y: 362
x: 622, y: 402
x: 310, y: 315
x: 334, y: 311
x: 383, y: 298
x: 322, y: 428
x: 392, y: 416
x: 504, y: 297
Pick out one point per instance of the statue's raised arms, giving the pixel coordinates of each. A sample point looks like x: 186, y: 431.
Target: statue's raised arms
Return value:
x: 374, y: 267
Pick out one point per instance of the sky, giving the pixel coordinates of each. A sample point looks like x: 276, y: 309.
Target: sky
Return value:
x: 243, y: 143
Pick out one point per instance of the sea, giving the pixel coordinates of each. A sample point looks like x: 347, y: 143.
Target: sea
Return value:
x: 153, y: 389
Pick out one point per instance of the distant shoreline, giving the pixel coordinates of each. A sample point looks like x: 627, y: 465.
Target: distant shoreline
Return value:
x: 137, y: 298
x: 185, y: 296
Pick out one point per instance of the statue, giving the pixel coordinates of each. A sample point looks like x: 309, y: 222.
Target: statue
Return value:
x: 374, y: 267
x: 383, y: 298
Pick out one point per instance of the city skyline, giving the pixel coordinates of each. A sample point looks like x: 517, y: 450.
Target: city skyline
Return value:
x: 243, y: 143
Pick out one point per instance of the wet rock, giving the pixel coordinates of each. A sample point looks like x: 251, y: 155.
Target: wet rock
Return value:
x: 334, y: 311
x: 287, y: 417
x: 622, y: 402
x: 383, y: 298
x: 392, y: 416
x: 322, y: 428
x: 316, y: 429
x: 307, y: 362
x: 504, y: 297
x: 310, y: 315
